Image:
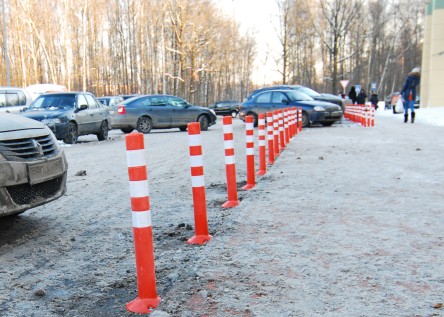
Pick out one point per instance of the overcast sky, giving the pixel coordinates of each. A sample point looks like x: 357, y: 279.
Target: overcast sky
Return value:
x: 259, y: 18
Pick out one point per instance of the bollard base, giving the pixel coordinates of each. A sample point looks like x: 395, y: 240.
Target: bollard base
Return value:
x: 248, y: 186
x: 261, y: 173
x: 142, y: 306
x: 201, y: 239
x: 230, y: 204
x: 270, y: 162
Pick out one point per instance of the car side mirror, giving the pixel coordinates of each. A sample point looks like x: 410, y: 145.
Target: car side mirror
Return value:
x: 82, y: 107
x: 285, y: 101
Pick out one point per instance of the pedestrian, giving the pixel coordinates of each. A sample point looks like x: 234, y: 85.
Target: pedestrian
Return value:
x: 374, y: 100
x: 360, y: 100
x: 352, y: 94
x: 408, y: 93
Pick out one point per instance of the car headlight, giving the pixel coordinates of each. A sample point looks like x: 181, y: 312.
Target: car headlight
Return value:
x: 212, y: 111
x: 317, y: 108
x: 51, y: 121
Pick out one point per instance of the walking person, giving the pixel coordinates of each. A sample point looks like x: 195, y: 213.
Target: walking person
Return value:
x: 408, y: 93
x: 374, y: 100
x: 352, y: 94
x: 361, y: 97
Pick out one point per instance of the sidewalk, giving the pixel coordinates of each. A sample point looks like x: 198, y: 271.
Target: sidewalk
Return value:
x: 347, y: 222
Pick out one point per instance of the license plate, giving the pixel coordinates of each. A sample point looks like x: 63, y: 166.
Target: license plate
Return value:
x: 43, y: 171
x: 111, y: 112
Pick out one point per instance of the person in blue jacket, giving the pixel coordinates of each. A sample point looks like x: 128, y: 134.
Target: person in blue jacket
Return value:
x: 408, y: 93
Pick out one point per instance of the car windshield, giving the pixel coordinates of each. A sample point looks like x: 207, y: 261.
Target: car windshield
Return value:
x: 298, y: 96
x: 53, y: 102
x: 308, y: 91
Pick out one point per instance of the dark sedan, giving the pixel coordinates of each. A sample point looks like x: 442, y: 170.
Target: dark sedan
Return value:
x: 308, y: 91
x: 226, y: 108
x: 148, y: 112
x: 313, y: 111
x: 71, y: 114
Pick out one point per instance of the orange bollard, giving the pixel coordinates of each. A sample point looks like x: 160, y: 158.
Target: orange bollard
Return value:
x: 270, y: 138
x: 286, y: 126
x: 300, y: 118
x: 281, y: 130
x: 261, y: 136
x: 249, y: 133
x: 276, y: 133
x: 230, y: 163
x: 147, y: 298
x: 197, y: 180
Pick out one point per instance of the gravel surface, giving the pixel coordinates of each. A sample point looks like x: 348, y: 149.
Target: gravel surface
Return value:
x: 347, y: 222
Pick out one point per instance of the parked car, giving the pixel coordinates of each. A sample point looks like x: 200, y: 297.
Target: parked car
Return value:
x: 308, y: 91
x: 225, y: 108
x: 313, y: 111
x: 32, y: 166
x: 110, y: 100
x: 70, y: 115
x: 148, y: 112
x: 14, y: 99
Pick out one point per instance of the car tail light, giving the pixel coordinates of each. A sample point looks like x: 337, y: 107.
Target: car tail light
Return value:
x: 121, y: 110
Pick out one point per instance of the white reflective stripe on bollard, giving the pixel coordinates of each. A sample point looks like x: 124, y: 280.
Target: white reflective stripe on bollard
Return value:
x: 139, y: 188
x: 141, y: 219
x: 135, y: 158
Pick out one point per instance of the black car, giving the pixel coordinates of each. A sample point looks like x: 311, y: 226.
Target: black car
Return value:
x: 71, y: 114
x: 308, y: 91
x: 313, y: 111
x: 225, y: 108
x: 147, y: 112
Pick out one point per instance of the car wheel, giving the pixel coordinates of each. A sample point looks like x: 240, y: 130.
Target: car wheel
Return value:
x: 144, y: 125
x: 204, y: 123
x: 127, y: 130
x: 103, y: 133
x: 305, y: 120
x: 183, y: 129
x: 233, y: 114
x: 327, y: 124
x: 71, y: 136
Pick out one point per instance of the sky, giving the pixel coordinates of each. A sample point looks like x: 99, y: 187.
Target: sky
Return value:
x: 259, y: 18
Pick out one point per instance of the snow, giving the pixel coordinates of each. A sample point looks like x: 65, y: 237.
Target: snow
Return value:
x: 432, y: 116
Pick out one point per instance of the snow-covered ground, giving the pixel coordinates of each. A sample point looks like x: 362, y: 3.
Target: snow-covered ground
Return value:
x: 432, y: 116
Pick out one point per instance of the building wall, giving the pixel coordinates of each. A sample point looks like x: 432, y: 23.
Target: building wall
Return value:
x: 432, y: 74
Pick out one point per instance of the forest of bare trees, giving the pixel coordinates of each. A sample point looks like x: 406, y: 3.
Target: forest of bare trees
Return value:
x: 189, y: 48
x: 363, y: 41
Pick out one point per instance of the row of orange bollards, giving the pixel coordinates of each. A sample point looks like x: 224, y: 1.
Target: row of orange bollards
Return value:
x: 280, y: 126
x: 361, y: 114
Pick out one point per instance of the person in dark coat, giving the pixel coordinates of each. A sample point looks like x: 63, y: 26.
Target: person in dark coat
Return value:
x: 360, y: 100
x: 352, y: 94
x: 408, y: 93
x: 374, y: 100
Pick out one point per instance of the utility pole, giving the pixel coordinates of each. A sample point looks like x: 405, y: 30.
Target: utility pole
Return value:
x: 5, y: 38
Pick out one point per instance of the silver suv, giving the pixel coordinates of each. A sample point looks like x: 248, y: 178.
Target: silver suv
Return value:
x: 32, y: 166
x: 13, y: 99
